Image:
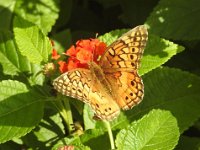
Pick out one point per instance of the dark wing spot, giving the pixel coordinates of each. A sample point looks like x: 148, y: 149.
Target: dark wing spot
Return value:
x: 126, y: 97
x: 109, y: 108
x: 132, y: 83
x: 133, y: 49
x: 73, y: 89
x: 106, y: 110
x: 131, y: 94
x: 84, y: 95
x: 131, y: 56
x: 97, y: 105
x: 132, y: 64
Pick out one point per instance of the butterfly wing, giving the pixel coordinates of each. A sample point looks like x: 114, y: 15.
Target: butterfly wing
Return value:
x: 120, y: 64
x: 127, y: 87
x: 79, y: 83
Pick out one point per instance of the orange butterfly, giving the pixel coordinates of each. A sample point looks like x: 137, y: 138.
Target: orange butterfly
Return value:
x: 114, y: 84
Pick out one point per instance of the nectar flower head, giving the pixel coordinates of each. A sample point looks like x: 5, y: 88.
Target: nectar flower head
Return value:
x: 83, y: 52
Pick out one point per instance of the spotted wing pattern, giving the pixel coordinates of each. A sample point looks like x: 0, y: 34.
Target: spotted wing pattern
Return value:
x: 125, y: 53
x: 120, y: 64
x: 80, y: 84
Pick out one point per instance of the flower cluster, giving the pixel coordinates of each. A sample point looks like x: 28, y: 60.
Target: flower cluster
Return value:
x: 80, y: 54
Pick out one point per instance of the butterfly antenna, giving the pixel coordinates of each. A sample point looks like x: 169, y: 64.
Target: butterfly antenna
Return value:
x: 97, y: 35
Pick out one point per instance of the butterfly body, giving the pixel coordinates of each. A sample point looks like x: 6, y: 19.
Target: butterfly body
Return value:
x: 114, y: 83
x: 99, y: 75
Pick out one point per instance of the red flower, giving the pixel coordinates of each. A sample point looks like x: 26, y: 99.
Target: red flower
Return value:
x: 83, y: 52
x: 55, y: 55
x: 62, y: 66
x: 71, y: 51
x: 100, y: 49
x: 84, y: 56
x: 74, y: 63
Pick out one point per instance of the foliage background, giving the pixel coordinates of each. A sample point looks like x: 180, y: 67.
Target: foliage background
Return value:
x: 170, y: 69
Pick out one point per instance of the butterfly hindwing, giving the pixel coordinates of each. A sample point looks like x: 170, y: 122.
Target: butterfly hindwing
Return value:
x: 82, y: 85
x: 128, y: 89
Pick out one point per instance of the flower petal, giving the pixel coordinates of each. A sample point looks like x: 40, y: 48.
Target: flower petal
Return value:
x: 63, y: 67
x: 55, y: 55
x: 71, y: 51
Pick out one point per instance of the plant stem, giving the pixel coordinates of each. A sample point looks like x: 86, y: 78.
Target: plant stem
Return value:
x: 68, y: 115
x: 63, y: 106
x: 112, y: 144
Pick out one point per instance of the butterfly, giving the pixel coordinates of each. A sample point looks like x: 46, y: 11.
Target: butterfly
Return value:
x: 113, y: 83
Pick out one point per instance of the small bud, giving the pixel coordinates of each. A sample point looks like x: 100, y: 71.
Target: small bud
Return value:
x: 49, y: 69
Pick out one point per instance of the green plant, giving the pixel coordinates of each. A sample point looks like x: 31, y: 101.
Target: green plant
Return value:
x: 32, y: 117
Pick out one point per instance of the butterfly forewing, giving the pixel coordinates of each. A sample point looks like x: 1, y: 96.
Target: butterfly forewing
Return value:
x: 82, y: 85
x: 125, y: 53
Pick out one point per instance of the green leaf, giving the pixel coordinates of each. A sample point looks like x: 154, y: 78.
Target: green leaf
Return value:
x: 49, y: 131
x: 31, y: 42
x: 11, y: 60
x: 188, y: 143
x: 89, y: 123
x: 14, y: 63
x: 112, y: 36
x: 35, y: 76
x: 20, y: 110
x: 157, y: 52
x: 169, y: 89
x: 176, y: 19
x: 41, y: 12
x: 74, y: 142
x: 156, y: 130
x: 95, y: 138
x: 6, y: 10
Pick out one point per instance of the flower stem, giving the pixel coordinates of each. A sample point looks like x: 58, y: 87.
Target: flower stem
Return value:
x: 68, y: 115
x: 65, y: 111
x: 112, y: 144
